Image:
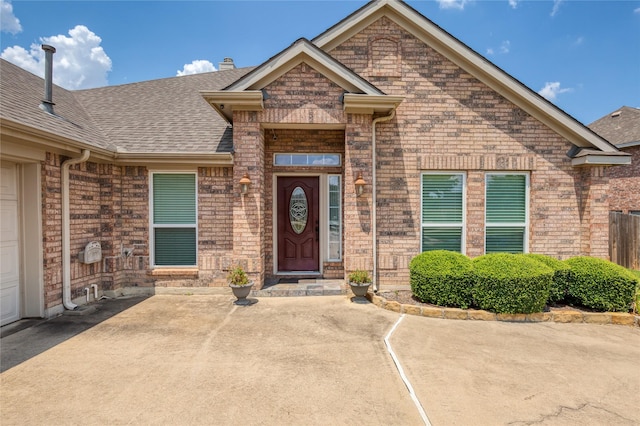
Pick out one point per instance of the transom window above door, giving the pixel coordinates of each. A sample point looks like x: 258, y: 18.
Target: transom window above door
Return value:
x: 314, y: 160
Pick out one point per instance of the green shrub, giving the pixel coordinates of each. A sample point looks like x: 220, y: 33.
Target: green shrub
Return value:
x: 600, y: 284
x: 442, y: 277
x: 561, y: 275
x: 511, y: 283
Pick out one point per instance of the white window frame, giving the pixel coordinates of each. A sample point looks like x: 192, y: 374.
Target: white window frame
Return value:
x: 306, y: 155
x: 153, y: 226
x: 525, y: 224
x: 462, y: 225
x: 328, y: 216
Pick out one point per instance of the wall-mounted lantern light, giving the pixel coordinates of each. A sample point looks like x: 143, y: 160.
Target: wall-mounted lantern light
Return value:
x: 245, y: 182
x: 360, y: 183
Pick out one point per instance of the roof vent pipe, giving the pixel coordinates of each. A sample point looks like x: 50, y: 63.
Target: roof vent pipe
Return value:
x: 47, y: 103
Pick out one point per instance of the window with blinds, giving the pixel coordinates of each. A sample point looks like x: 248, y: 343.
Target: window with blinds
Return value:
x: 174, y: 214
x: 507, y: 212
x: 443, y: 211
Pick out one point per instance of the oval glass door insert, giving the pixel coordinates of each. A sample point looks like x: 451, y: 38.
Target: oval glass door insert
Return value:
x: 298, y: 210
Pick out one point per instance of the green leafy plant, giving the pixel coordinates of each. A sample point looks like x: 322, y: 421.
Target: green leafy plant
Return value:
x: 561, y: 276
x: 359, y: 276
x: 511, y: 283
x: 442, y: 277
x: 601, y: 285
x: 238, y: 277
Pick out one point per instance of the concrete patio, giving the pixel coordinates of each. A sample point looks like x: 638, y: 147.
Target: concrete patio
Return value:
x: 199, y: 359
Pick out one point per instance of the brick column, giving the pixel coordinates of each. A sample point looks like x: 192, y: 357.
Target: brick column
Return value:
x: 475, y: 213
x: 358, y: 245
x: 248, y: 210
x: 596, y: 216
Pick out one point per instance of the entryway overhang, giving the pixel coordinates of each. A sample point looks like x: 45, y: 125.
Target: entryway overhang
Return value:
x: 248, y: 93
x: 370, y: 104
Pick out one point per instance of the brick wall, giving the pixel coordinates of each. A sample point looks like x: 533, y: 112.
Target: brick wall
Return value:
x: 624, y: 194
x: 450, y: 121
x: 108, y: 204
x: 215, y: 221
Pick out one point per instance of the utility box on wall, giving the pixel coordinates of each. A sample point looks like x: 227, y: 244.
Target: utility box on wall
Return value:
x: 92, y: 253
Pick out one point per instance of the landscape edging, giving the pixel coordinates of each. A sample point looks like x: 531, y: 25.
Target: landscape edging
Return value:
x: 565, y: 316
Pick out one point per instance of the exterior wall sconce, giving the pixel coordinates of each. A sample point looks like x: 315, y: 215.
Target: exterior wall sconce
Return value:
x: 245, y: 182
x: 360, y: 183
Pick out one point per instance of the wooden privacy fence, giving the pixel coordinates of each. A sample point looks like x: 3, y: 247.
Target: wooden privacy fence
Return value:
x: 624, y: 239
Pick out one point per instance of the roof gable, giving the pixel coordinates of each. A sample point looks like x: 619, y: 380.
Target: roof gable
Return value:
x: 467, y: 59
x: 303, y: 51
x: 247, y: 92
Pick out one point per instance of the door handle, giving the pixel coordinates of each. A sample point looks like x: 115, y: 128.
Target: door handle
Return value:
x: 317, y: 230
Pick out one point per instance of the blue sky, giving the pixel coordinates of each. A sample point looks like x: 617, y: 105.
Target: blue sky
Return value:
x: 582, y: 55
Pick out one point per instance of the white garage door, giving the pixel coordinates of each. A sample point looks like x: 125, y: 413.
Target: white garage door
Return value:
x: 9, y: 245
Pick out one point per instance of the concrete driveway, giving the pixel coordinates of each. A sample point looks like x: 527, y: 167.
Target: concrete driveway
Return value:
x: 319, y: 360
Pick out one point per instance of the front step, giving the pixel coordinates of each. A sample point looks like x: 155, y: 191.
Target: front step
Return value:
x: 304, y: 287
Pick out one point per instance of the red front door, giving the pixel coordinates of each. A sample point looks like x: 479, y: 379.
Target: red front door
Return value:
x: 298, y: 224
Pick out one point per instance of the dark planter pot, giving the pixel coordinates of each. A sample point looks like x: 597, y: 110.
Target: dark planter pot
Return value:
x: 359, y: 290
x: 241, y: 292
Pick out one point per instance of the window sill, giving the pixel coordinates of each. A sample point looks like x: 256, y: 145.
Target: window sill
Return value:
x: 174, y: 272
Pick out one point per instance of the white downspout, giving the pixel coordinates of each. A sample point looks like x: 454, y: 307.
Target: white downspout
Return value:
x: 374, y: 191
x: 66, y: 234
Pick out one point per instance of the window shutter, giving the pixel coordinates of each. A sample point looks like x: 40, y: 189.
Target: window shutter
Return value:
x: 442, y: 211
x: 174, y: 219
x: 442, y: 239
x: 441, y: 198
x: 174, y: 199
x: 506, y: 213
x: 506, y: 199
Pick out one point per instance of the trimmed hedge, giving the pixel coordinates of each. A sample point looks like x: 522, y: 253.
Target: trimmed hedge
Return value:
x: 601, y: 285
x: 561, y: 275
x: 442, y: 277
x: 511, y: 283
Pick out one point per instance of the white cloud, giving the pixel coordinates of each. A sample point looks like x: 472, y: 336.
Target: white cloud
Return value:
x: 452, y: 4
x: 504, y: 48
x: 196, y: 67
x: 79, y: 63
x: 578, y: 41
x: 551, y: 90
x: 556, y: 7
x: 8, y: 21
x: 637, y: 10
x: 513, y: 3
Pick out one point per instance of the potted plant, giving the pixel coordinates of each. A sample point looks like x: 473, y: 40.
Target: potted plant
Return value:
x: 359, y: 281
x: 240, y: 285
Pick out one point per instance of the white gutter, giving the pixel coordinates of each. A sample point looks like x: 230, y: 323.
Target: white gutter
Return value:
x: 375, y: 196
x: 66, y: 235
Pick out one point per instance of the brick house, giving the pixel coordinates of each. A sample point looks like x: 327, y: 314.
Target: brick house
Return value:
x: 622, y: 128
x: 278, y: 168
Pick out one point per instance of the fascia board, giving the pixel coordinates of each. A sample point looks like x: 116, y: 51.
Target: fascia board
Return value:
x: 28, y: 137
x: 14, y: 131
x: 295, y: 55
x: 601, y: 160
x: 368, y: 104
x: 469, y: 60
x: 174, y: 158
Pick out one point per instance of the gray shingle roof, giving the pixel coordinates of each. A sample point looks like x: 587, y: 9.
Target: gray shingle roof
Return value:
x: 619, y: 127
x: 166, y: 115
x: 21, y: 94
x: 158, y: 116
